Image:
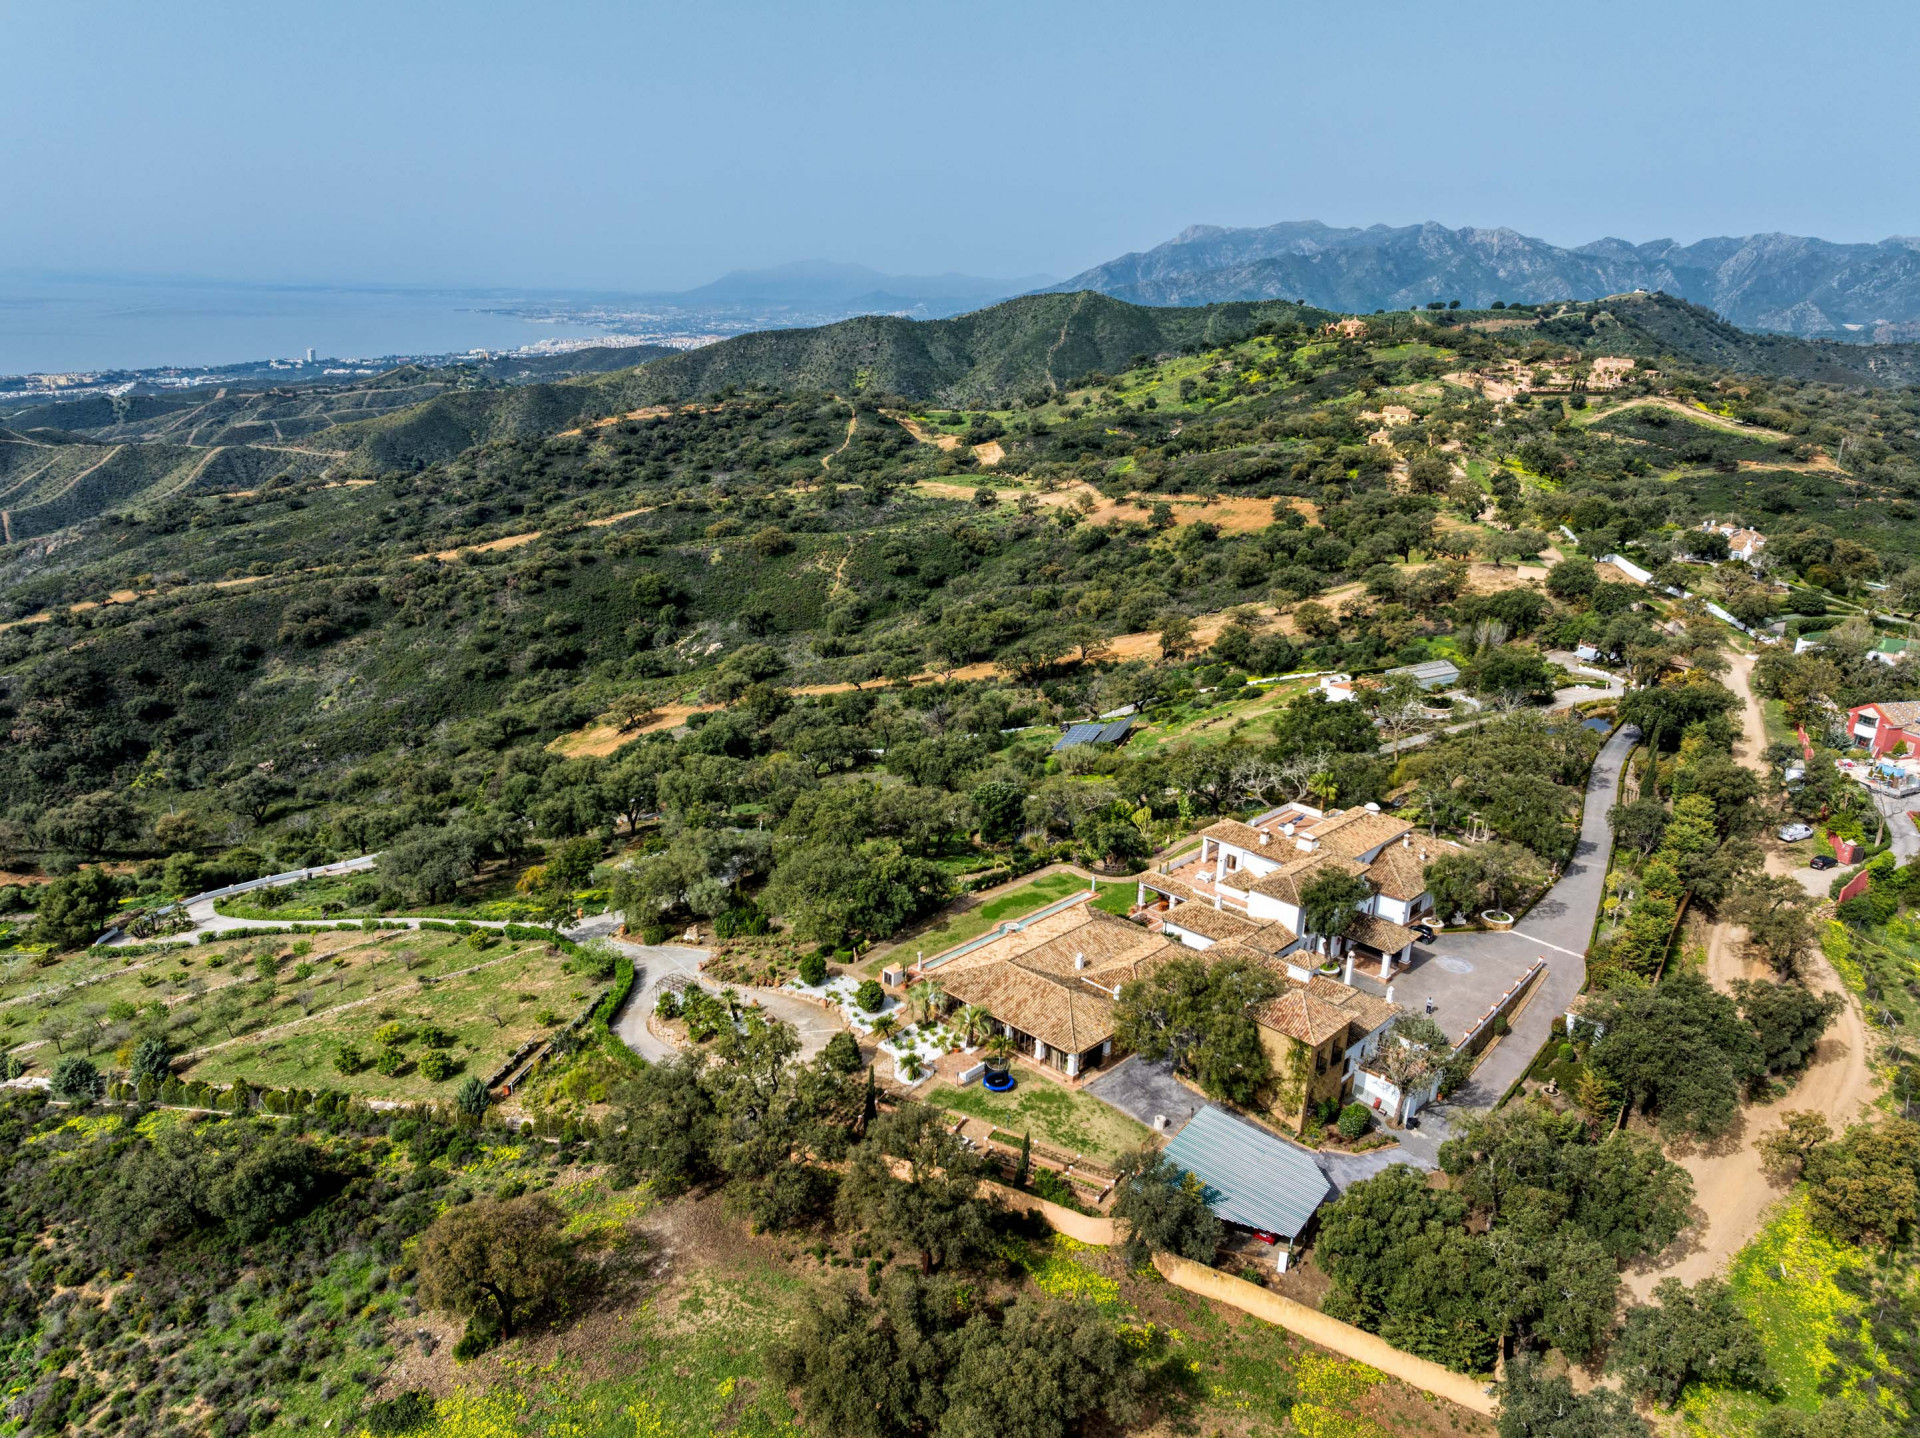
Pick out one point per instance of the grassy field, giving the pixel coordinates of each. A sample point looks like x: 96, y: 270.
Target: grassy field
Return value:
x: 356, y: 896
x: 689, y: 1359
x: 336, y: 987
x: 1061, y: 1118
x: 512, y: 994
x: 1788, y: 1282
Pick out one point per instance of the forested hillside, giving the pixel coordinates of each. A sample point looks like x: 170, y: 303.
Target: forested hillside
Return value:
x: 788, y: 661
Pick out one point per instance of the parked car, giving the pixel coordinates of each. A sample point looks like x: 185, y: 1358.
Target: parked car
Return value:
x: 1823, y: 861
x: 1422, y: 932
x: 1794, y: 833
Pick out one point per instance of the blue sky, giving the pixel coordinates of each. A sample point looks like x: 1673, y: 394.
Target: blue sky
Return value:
x: 636, y: 146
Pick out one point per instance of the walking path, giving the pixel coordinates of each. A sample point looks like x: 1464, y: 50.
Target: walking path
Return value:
x: 1731, y: 1189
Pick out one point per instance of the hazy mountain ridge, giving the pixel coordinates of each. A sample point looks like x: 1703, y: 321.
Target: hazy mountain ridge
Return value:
x: 1786, y: 283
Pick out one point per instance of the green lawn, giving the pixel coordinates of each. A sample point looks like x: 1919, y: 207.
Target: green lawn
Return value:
x: 1773, y: 716
x: 1058, y: 1117
x: 955, y: 925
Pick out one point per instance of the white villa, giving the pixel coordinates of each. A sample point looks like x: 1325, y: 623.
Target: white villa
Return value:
x: 1243, y: 886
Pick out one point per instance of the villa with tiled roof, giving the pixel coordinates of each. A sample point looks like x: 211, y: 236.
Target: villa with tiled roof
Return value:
x: 1255, y: 872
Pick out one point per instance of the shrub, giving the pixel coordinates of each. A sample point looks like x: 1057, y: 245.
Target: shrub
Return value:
x: 870, y: 996
x: 77, y: 1081
x: 813, y: 970
x: 435, y: 1037
x: 473, y: 1098
x: 390, y: 1062
x: 1355, y: 1119
x: 667, y: 1006
x: 842, y: 1052
x: 348, y: 1060
x: 403, y: 1413
x: 437, y: 1064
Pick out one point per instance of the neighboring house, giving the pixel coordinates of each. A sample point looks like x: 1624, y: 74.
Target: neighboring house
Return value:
x: 1742, y: 544
x: 1434, y: 674
x: 1882, y: 728
x: 1115, y: 732
x: 1338, y: 688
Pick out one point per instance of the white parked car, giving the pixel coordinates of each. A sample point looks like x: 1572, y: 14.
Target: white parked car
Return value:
x: 1794, y: 833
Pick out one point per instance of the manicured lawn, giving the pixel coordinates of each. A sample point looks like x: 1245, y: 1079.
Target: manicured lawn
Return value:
x: 955, y: 926
x: 520, y: 993
x: 1058, y: 1117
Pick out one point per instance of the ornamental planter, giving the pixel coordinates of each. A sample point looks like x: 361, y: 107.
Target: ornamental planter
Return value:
x: 1497, y: 919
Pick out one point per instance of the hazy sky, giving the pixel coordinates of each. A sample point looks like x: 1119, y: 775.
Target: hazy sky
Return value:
x: 640, y: 145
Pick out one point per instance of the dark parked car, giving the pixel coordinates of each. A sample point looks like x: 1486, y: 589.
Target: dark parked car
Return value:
x: 1423, y: 932
x: 1823, y: 861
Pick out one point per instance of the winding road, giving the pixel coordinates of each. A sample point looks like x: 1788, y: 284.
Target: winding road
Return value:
x: 1731, y: 1189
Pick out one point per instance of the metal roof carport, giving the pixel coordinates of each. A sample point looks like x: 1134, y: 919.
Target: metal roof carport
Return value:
x: 1252, y: 1178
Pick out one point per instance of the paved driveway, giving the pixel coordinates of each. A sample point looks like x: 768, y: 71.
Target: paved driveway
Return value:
x: 1464, y: 973
x: 1146, y: 1091
x: 654, y: 963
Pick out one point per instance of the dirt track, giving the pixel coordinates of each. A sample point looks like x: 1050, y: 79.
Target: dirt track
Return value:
x: 1731, y: 1189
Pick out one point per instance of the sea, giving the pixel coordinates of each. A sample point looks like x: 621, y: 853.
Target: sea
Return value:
x: 54, y: 325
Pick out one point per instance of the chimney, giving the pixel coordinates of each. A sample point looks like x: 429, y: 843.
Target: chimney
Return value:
x: 1079, y: 961
x: 1406, y: 840
x: 1265, y: 838
x: 1389, y: 993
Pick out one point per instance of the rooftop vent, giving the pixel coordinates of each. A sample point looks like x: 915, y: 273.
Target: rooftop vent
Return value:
x: 1373, y: 808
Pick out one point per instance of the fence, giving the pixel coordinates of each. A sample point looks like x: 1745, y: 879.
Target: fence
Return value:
x: 1481, y: 1033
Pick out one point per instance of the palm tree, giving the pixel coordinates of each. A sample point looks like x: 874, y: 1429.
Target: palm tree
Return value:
x: 971, y: 1021
x: 925, y: 997
x: 1000, y: 1047
x: 884, y: 1026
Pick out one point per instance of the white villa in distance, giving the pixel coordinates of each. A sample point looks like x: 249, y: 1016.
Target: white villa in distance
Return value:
x: 1243, y: 885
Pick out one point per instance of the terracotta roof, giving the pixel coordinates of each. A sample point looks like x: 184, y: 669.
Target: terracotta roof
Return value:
x: 1382, y: 934
x: 1401, y: 870
x: 1300, y: 1015
x: 1071, y: 1017
x: 1232, y: 831
x: 1223, y: 926
x: 1901, y: 712
x: 1321, y: 1008
x: 1367, y: 1011
x: 1284, y: 884
x: 1355, y: 832
x: 1029, y: 979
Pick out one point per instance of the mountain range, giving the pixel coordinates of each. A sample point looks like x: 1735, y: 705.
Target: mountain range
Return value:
x: 1785, y: 284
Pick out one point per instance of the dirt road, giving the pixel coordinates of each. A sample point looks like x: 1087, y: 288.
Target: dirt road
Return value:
x: 1731, y: 1189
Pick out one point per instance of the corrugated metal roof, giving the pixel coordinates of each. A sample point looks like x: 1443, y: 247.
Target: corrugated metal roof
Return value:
x: 1252, y: 1178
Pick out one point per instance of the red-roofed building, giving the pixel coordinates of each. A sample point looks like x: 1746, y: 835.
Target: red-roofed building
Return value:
x: 1882, y: 728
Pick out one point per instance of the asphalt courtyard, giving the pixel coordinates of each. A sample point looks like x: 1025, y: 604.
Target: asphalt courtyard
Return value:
x: 1463, y: 974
